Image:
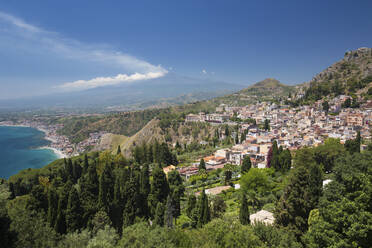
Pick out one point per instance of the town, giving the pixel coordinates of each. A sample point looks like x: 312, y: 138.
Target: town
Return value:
x: 260, y: 124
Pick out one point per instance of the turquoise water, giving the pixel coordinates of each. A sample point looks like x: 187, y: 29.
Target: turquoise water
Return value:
x: 18, y: 150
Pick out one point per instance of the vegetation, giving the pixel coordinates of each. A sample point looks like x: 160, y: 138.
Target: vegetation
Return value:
x: 107, y: 200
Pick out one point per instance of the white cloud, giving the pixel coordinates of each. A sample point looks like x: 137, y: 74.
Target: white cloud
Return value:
x: 204, y: 71
x: 105, y: 81
x: 135, y: 69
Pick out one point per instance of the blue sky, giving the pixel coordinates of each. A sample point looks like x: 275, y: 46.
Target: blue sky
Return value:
x: 51, y: 46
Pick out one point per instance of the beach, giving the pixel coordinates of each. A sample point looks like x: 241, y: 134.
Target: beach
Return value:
x: 58, y: 153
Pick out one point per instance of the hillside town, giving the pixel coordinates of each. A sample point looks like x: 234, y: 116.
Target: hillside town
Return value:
x: 291, y: 128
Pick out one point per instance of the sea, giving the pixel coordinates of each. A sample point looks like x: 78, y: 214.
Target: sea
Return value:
x: 20, y: 149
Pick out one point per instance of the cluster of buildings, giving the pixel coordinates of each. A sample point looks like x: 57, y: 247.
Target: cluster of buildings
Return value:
x: 292, y: 128
x: 91, y: 142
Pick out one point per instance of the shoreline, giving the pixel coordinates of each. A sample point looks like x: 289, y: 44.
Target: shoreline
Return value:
x: 56, y: 151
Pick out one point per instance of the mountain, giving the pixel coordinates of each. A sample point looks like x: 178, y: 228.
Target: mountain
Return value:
x: 267, y: 89
x: 352, y: 75
x: 160, y: 92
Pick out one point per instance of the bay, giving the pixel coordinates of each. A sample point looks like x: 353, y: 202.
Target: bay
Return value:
x: 20, y: 149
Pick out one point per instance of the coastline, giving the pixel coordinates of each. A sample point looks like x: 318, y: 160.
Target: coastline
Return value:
x: 56, y: 151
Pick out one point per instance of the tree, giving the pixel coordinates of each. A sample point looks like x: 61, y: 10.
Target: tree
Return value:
x: 346, y: 103
x: 86, y: 164
x: 202, y: 165
x: 76, y: 171
x: 228, y: 175
x: 358, y: 141
x: 169, y: 212
x: 246, y: 165
x: 100, y: 220
x: 327, y: 153
x: 159, y: 214
x: 60, y: 225
x: 68, y: 169
x: 301, y: 194
x: 275, y: 157
x: 159, y: 188
x: 106, y: 187
x: 227, y: 131
x: 242, y: 137
x: 203, y: 209
x: 269, y: 157
x: 218, y: 207
x: 176, y: 189
x: 267, y: 125
x: 255, y: 180
x: 237, y: 138
x: 244, y: 211
x: 145, y: 188
x: 342, y: 218
x: 74, y: 212
x: 191, y: 204
x: 325, y: 106
x: 52, y: 206
x: 118, y: 150
x: 353, y: 146
x: 285, y: 160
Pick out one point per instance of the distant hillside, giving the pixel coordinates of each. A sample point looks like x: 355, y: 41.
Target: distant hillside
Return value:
x: 351, y: 75
x: 268, y: 89
x: 127, y: 123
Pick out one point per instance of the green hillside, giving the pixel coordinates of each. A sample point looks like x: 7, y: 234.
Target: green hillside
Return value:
x: 269, y: 89
x: 352, y: 75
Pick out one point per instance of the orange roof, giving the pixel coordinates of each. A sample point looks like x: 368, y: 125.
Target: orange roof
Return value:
x: 206, y: 159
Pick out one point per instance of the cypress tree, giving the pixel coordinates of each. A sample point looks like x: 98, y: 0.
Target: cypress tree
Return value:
x: 244, y: 212
x: 267, y: 125
x: 202, y: 165
x: 145, y: 180
x: 74, y: 212
x: 132, y: 206
x: 275, y: 157
x: 191, y: 204
x: 227, y: 132
x: 106, y: 186
x: 159, y: 214
x: 86, y: 164
x: 60, y: 225
x: 156, y: 152
x: 246, y: 165
x: 69, y: 169
x: 237, y: 138
x: 169, y: 212
x: 159, y: 188
x: 358, y: 141
x: 118, y: 151
x: 145, y: 189
x: 285, y: 160
x: 120, y: 196
x: 52, y: 206
x: 204, y: 211
x: 177, y: 191
x: 242, y: 137
x: 76, y: 171
x: 90, y: 183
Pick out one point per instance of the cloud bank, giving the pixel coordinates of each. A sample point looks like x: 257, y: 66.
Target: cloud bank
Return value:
x: 134, y: 69
x: 106, y: 81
